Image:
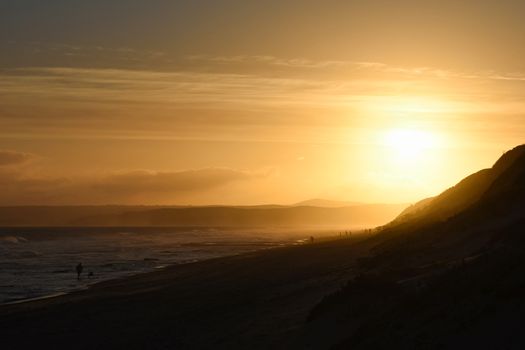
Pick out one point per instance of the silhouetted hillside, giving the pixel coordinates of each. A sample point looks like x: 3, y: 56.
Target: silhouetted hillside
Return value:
x: 510, y: 174
x: 448, y: 275
x: 468, y: 191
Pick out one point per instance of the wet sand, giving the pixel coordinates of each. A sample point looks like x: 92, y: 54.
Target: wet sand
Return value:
x: 257, y: 300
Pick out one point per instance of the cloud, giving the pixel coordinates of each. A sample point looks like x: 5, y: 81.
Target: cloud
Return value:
x: 272, y: 60
x: 143, y: 181
x: 128, y: 187
x: 224, y: 88
x: 83, y: 54
x: 8, y: 158
x: 139, y: 87
x: 240, y: 98
x: 355, y: 66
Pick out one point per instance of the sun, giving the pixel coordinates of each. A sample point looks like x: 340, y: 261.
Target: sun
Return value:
x: 408, y: 145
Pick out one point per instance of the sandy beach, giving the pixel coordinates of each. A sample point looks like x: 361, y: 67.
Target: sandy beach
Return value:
x: 255, y: 300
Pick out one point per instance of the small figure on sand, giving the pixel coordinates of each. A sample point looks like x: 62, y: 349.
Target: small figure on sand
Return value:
x: 311, y: 239
x: 79, y: 269
x: 91, y: 274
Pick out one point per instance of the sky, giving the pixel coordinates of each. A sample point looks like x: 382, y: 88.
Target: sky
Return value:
x: 253, y: 102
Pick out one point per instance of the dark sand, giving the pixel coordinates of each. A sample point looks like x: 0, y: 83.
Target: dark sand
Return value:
x: 258, y: 300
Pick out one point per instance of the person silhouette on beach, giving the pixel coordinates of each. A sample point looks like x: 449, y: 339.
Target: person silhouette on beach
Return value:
x: 79, y: 270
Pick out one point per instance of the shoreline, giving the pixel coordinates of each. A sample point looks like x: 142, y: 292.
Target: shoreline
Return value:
x: 155, y: 269
x: 49, y: 296
x: 223, y: 302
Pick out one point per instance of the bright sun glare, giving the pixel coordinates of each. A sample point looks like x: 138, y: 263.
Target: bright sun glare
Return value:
x: 408, y: 145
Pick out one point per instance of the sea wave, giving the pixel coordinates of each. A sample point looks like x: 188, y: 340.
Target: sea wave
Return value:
x: 13, y: 239
x: 42, y: 262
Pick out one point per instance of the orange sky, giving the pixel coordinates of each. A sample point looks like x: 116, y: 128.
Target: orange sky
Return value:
x: 239, y: 102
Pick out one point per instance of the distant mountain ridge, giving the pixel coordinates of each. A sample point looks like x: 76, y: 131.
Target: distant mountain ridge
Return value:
x: 264, y: 215
x: 326, y: 203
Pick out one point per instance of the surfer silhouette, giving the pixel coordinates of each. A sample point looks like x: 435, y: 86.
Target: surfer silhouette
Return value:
x: 79, y: 269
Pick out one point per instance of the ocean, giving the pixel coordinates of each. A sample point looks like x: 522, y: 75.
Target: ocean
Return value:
x: 40, y: 262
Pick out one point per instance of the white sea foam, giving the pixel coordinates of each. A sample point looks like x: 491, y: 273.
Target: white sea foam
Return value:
x: 12, y: 239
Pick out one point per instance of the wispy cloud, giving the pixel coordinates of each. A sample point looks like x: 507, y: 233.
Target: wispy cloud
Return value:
x: 136, y: 186
x: 272, y: 60
x: 144, y: 181
x: 220, y: 90
x: 356, y: 66
x: 219, y: 102
x: 9, y: 158
x: 93, y: 53
x: 150, y: 86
